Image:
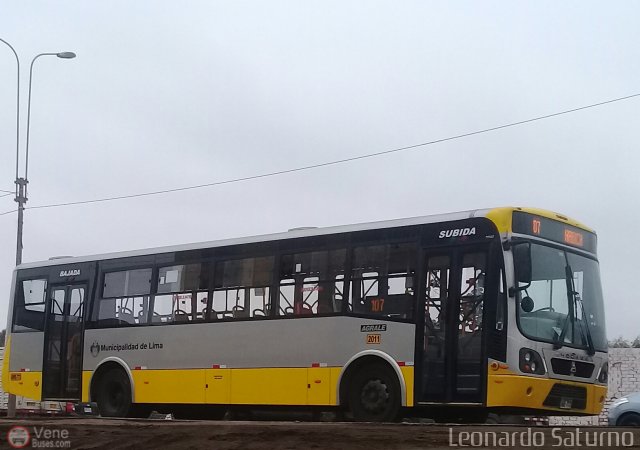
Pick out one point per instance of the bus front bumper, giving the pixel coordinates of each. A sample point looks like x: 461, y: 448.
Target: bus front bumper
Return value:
x: 566, y: 397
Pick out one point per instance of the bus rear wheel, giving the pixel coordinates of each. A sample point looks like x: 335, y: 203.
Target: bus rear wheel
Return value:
x: 374, y: 394
x: 113, y: 393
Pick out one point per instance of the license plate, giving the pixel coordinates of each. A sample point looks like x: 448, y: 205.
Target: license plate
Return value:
x: 565, y: 403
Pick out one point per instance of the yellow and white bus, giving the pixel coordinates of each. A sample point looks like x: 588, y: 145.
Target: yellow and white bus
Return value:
x: 450, y: 316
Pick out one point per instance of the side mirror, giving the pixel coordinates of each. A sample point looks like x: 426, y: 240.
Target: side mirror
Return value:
x: 522, y: 265
x: 522, y: 262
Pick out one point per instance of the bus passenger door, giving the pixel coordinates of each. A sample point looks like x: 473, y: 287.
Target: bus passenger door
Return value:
x: 452, y: 368
x: 62, y: 370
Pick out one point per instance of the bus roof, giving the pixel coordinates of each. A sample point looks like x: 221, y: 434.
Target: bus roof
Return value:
x: 500, y: 216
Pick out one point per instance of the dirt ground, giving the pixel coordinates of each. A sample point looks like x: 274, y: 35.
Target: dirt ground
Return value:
x: 96, y: 433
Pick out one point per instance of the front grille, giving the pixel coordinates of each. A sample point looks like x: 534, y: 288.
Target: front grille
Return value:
x: 564, y: 396
x: 563, y: 367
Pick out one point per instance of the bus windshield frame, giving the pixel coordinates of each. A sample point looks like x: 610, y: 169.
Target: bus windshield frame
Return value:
x: 562, y: 310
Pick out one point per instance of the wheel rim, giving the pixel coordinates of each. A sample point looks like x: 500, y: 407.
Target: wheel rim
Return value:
x: 374, y: 396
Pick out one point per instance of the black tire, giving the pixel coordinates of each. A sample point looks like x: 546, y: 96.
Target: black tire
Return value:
x: 629, y: 420
x: 374, y: 394
x: 113, y: 393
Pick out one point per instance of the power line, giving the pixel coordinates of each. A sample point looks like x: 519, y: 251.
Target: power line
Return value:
x: 331, y: 163
x: 6, y: 195
x: 8, y: 212
x: 10, y: 192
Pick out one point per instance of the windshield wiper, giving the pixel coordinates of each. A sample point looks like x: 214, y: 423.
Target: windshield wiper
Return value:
x: 573, y: 298
x: 559, y: 339
x: 568, y: 278
x: 585, y: 321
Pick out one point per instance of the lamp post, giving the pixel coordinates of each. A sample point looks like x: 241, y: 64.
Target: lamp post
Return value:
x: 21, y: 183
x: 62, y: 55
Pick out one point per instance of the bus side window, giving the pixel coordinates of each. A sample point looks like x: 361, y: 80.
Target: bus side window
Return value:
x: 311, y: 283
x: 30, y: 303
x: 169, y: 308
x: 132, y: 310
x: 287, y: 295
x: 242, y: 288
x: 338, y: 298
x: 180, y: 293
x: 125, y: 298
x: 383, y: 280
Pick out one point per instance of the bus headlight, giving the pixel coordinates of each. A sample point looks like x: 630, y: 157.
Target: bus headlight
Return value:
x: 531, y: 362
x: 603, y: 376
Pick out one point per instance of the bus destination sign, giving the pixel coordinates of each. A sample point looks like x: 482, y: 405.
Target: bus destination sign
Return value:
x: 533, y: 225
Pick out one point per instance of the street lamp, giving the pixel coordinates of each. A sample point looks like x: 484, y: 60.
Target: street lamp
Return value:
x: 62, y: 55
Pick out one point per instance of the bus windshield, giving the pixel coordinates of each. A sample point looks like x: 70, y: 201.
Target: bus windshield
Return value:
x: 563, y: 304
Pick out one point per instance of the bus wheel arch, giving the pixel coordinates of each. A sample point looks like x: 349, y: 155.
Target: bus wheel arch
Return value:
x: 372, y: 369
x: 112, y: 387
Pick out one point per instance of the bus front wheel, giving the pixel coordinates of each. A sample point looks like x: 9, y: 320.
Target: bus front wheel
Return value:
x: 374, y: 394
x: 113, y: 393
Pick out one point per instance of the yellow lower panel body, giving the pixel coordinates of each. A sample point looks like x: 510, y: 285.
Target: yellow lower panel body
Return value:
x: 269, y: 386
x: 86, y: 383
x: 5, y: 363
x: 318, y: 386
x: 264, y: 386
x: 169, y: 386
x: 407, y: 374
x: 531, y: 392
x: 218, y: 386
x: 25, y: 384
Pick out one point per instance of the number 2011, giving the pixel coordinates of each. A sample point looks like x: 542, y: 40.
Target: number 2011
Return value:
x: 373, y: 339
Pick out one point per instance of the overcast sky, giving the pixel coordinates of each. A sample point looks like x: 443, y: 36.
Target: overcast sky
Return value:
x: 168, y: 94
